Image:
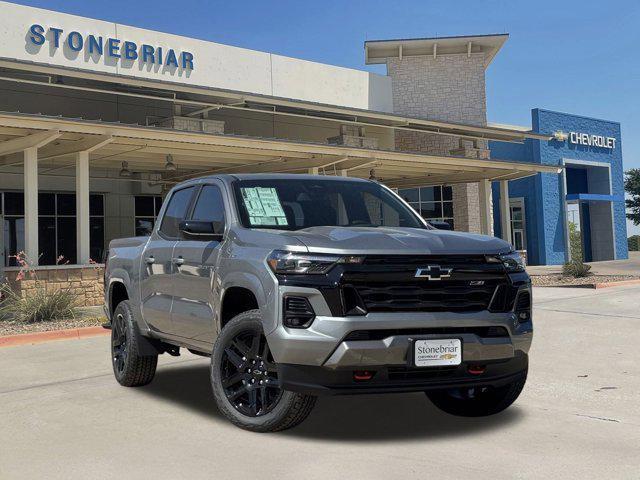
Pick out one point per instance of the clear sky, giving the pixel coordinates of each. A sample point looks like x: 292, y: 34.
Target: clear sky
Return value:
x: 573, y: 56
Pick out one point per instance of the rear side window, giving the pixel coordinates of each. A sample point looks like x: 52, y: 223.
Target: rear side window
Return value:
x: 210, y: 206
x: 176, y: 212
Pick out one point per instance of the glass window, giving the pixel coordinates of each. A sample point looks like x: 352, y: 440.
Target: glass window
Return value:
x: 287, y: 205
x: 432, y: 203
x: 96, y: 239
x: 13, y: 238
x: 56, y: 229
x: 96, y: 205
x: 144, y: 226
x: 66, y: 240
x: 46, y: 203
x: 146, y: 208
x: 410, y: 195
x: 14, y: 203
x: 47, y: 240
x: 66, y: 204
x: 176, y: 212
x: 210, y: 206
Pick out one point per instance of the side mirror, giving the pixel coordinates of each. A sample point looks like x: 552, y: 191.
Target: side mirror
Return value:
x: 201, y: 229
x: 440, y: 224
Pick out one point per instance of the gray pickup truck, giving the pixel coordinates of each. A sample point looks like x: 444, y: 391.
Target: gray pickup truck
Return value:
x: 297, y: 286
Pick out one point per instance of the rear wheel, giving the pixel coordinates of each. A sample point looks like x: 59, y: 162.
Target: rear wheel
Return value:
x: 245, y: 383
x: 477, y: 401
x: 129, y: 367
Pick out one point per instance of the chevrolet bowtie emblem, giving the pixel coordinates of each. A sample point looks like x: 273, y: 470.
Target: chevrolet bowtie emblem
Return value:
x: 433, y: 272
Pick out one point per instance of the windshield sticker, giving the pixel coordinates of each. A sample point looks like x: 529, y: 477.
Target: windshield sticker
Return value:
x: 263, y: 206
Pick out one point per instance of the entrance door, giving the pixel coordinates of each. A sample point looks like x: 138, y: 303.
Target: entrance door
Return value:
x: 518, y: 228
x: 192, y: 310
x: 158, y: 264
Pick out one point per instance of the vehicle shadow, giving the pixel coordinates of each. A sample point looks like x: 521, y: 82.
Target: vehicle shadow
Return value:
x: 368, y: 418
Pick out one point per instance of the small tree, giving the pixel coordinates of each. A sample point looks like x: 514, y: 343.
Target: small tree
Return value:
x: 575, y: 242
x: 632, y: 187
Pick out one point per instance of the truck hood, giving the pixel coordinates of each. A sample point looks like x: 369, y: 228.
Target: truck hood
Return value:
x: 389, y: 240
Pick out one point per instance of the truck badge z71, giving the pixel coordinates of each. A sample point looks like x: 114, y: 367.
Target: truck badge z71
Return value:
x: 297, y: 286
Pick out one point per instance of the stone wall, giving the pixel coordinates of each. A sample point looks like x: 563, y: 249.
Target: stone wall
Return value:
x: 448, y: 88
x: 84, y: 282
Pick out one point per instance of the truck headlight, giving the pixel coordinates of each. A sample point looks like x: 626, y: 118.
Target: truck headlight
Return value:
x: 512, y: 261
x: 283, y: 262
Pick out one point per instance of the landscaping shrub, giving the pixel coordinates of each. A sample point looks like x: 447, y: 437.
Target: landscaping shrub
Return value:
x: 38, y: 306
x: 576, y: 269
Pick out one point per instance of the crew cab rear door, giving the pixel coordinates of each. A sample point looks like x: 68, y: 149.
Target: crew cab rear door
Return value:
x: 192, y: 313
x: 158, y: 267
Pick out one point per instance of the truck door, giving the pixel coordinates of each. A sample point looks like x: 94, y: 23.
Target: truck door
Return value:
x: 192, y: 313
x: 158, y: 263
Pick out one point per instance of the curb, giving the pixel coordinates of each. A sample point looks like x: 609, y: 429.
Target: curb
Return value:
x: 52, y: 335
x: 619, y: 283
x: 616, y: 284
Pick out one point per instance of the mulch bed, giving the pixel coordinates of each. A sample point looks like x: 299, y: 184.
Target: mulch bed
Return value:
x: 562, y: 281
x: 16, y: 328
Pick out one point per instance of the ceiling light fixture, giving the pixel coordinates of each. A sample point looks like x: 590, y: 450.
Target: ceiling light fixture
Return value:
x: 170, y: 166
x: 124, y: 171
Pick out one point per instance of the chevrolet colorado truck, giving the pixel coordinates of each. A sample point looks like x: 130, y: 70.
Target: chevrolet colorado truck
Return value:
x: 298, y: 285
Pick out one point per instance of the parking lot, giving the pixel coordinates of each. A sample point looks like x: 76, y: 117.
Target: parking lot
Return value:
x: 64, y: 416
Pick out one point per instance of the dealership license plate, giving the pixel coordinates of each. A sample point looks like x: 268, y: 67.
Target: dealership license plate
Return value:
x: 433, y: 353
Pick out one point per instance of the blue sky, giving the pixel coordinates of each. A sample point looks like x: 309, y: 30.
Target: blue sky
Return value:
x: 573, y: 56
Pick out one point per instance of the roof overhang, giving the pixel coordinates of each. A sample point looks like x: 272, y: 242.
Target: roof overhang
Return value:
x: 145, y: 149
x: 377, y: 51
x: 199, y: 98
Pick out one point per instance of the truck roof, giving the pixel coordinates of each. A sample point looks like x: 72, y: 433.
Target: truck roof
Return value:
x: 229, y: 177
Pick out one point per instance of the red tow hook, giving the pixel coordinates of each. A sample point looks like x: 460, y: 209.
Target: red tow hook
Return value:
x: 476, y: 369
x: 362, y: 375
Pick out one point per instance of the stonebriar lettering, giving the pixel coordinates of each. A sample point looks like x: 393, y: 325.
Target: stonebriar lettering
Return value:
x: 592, y: 140
x: 112, y: 47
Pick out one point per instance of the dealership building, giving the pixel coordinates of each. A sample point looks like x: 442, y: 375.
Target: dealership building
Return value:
x: 98, y: 120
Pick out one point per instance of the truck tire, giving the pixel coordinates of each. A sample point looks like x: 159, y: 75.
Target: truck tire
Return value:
x: 478, y: 402
x: 129, y: 367
x: 244, y: 379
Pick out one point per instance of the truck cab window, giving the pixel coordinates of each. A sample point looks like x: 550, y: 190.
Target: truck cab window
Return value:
x: 210, y: 206
x: 176, y: 212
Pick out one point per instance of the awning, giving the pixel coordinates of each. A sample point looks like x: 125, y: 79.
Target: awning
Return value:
x: 198, y: 99
x: 145, y: 149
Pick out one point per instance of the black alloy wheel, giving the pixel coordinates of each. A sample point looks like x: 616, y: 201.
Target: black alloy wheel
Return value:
x: 130, y: 368
x: 119, y: 349
x: 245, y: 381
x: 249, y: 374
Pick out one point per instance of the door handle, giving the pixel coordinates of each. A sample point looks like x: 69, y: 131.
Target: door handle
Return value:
x: 178, y: 260
x: 150, y: 259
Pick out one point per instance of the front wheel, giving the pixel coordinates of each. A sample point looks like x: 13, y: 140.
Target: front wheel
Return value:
x: 244, y: 379
x: 477, y: 401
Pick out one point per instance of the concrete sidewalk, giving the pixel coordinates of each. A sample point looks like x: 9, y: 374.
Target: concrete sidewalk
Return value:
x: 64, y: 416
x: 611, y: 267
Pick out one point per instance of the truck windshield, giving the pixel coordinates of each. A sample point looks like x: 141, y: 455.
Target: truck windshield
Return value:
x: 294, y: 204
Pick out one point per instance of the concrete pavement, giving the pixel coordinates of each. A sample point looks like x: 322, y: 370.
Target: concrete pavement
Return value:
x: 64, y: 416
x: 631, y: 266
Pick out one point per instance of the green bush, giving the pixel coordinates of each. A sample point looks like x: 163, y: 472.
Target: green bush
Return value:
x: 576, y: 269
x: 634, y: 243
x: 38, y: 306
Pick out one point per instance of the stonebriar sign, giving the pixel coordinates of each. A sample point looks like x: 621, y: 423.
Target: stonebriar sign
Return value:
x: 115, y: 48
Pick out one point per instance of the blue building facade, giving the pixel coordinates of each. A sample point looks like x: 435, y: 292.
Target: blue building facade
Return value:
x: 589, y: 193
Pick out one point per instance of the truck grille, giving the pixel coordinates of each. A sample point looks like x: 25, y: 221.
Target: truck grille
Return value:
x: 389, y: 284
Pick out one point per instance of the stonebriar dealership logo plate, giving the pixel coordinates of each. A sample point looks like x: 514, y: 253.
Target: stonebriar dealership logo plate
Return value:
x: 433, y: 353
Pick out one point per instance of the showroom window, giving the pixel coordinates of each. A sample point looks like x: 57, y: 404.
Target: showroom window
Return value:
x: 433, y: 203
x: 146, y: 210
x: 56, y: 227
